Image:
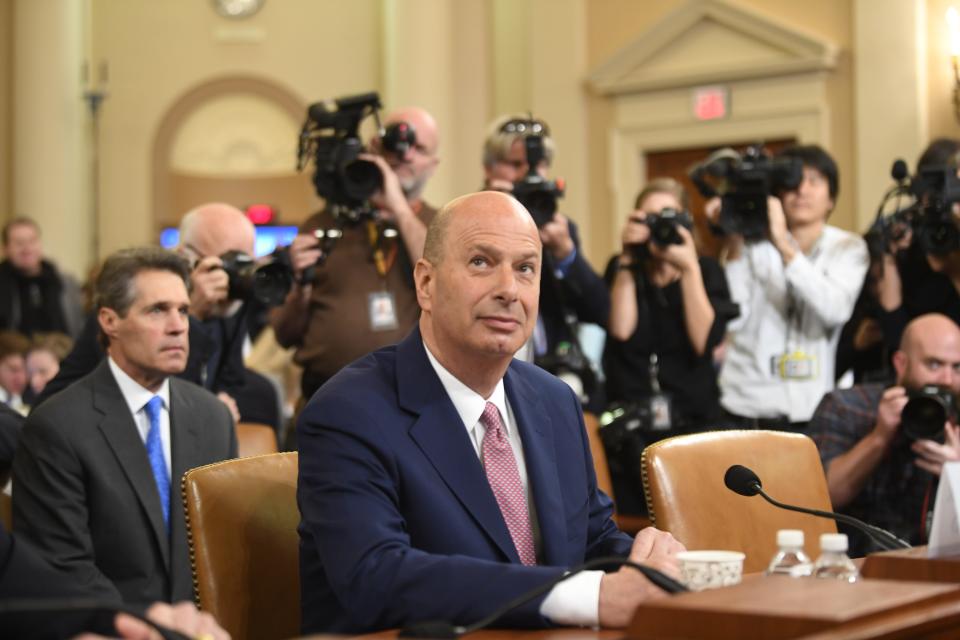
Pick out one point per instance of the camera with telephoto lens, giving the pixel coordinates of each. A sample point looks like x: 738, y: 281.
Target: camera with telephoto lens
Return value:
x: 330, y: 137
x: 538, y: 194
x: 927, y: 409
x: 267, y: 282
x: 663, y: 226
x: 744, y: 182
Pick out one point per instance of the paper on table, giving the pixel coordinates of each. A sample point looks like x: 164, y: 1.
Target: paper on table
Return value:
x: 945, y: 530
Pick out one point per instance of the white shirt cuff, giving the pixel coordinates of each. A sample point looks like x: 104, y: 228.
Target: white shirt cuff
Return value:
x: 575, y: 601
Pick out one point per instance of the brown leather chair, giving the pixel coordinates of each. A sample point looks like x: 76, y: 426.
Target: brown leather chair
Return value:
x: 242, y: 522
x: 683, y: 483
x: 255, y: 439
x: 629, y: 524
x: 6, y: 511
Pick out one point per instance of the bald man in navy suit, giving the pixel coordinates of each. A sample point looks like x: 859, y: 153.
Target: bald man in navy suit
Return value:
x: 440, y: 478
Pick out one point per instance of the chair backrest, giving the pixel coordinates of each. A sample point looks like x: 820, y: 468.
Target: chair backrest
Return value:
x: 600, y: 465
x: 683, y: 483
x: 242, y: 522
x: 255, y: 439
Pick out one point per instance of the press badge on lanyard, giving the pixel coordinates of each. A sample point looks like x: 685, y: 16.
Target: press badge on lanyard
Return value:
x: 795, y: 365
x: 382, y: 305
x: 382, y: 309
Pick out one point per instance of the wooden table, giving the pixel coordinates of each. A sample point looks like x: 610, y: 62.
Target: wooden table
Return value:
x: 774, y: 608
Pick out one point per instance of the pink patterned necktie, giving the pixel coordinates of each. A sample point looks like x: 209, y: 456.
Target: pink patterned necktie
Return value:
x: 504, y: 479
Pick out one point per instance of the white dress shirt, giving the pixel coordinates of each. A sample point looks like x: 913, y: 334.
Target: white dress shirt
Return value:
x: 800, y: 307
x: 137, y: 398
x: 574, y: 601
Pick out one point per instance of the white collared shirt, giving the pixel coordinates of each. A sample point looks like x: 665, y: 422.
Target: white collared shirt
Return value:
x: 797, y: 308
x: 575, y: 601
x: 137, y: 398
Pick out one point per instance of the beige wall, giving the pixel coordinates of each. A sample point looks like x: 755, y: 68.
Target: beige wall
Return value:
x: 6, y: 80
x: 159, y: 50
x: 614, y: 24
x: 465, y: 60
x: 940, y: 115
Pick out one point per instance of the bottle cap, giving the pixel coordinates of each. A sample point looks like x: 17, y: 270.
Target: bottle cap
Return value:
x: 835, y: 542
x: 790, y: 538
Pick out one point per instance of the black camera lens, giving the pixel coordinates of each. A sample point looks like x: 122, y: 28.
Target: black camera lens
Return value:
x: 926, y: 411
x: 271, y: 283
x: 361, y: 179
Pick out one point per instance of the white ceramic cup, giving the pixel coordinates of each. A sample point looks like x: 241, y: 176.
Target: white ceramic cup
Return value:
x: 710, y: 569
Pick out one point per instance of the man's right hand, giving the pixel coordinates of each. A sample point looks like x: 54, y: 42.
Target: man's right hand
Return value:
x: 209, y: 287
x: 623, y: 591
x: 888, y: 413
x: 304, y: 253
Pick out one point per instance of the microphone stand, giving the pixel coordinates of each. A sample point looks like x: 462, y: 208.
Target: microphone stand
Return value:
x: 883, y: 538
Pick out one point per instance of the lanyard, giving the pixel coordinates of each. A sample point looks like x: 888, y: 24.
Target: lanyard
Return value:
x: 383, y: 262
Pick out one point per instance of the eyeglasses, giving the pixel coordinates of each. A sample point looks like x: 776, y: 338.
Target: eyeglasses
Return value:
x: 526, y: 126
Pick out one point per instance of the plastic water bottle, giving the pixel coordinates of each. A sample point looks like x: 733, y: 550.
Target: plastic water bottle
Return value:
x: 790, y: 559
x: 833, y: 563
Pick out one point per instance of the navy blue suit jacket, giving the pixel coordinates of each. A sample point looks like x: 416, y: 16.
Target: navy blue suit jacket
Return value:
x: 398, y: 522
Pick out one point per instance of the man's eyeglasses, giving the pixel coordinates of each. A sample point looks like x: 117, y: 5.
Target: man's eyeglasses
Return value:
x: 525, y: 126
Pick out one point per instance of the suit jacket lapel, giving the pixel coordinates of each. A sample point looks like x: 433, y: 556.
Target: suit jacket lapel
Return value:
x: 440, y: 434
x: 121, y: 433
x: 536, y: 433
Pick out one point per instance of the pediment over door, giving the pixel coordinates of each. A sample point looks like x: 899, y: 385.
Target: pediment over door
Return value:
x: 710, y: 41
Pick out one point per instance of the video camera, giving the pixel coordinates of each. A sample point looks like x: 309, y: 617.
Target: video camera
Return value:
x: 744, y: 182
x: 926, y: 411
x: 928, y: 212
x: 330, y: 136
x: 535, y: 192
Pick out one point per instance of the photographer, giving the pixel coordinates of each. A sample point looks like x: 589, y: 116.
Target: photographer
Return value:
x: 666, y: 302
x: 218, y: 324
x: 795, y: 288
x: 362, y: 297
x: 570, y: 290
x: 875, y: 470
x: 913, y: 280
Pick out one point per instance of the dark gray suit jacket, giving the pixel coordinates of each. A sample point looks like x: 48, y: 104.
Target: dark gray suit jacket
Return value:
x: 85, y: 496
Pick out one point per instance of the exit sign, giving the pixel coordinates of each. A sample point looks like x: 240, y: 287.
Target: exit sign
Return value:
x: 711, y: 103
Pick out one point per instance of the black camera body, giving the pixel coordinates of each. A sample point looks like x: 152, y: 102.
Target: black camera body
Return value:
x: 664, y: 225
x: 268, y: 283
x: 926, y: 411
x: 937, y: 189
x: 330, y: 136
x: 747, y: 181
x: 535, y: 192
x: 568, y: 363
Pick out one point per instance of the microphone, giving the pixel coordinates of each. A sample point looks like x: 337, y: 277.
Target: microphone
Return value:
x: 445, y: 631
x: 899, y: 171
x: 745, y: 482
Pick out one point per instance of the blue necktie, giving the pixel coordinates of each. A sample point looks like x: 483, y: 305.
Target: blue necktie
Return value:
x: 155, y: 452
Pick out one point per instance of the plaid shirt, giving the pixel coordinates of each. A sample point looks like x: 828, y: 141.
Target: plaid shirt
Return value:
x: 894, y: 494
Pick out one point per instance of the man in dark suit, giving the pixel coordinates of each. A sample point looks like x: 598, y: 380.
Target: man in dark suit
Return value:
x: 218, y: 324
x: 97, y: 473
x: 440, y: 478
